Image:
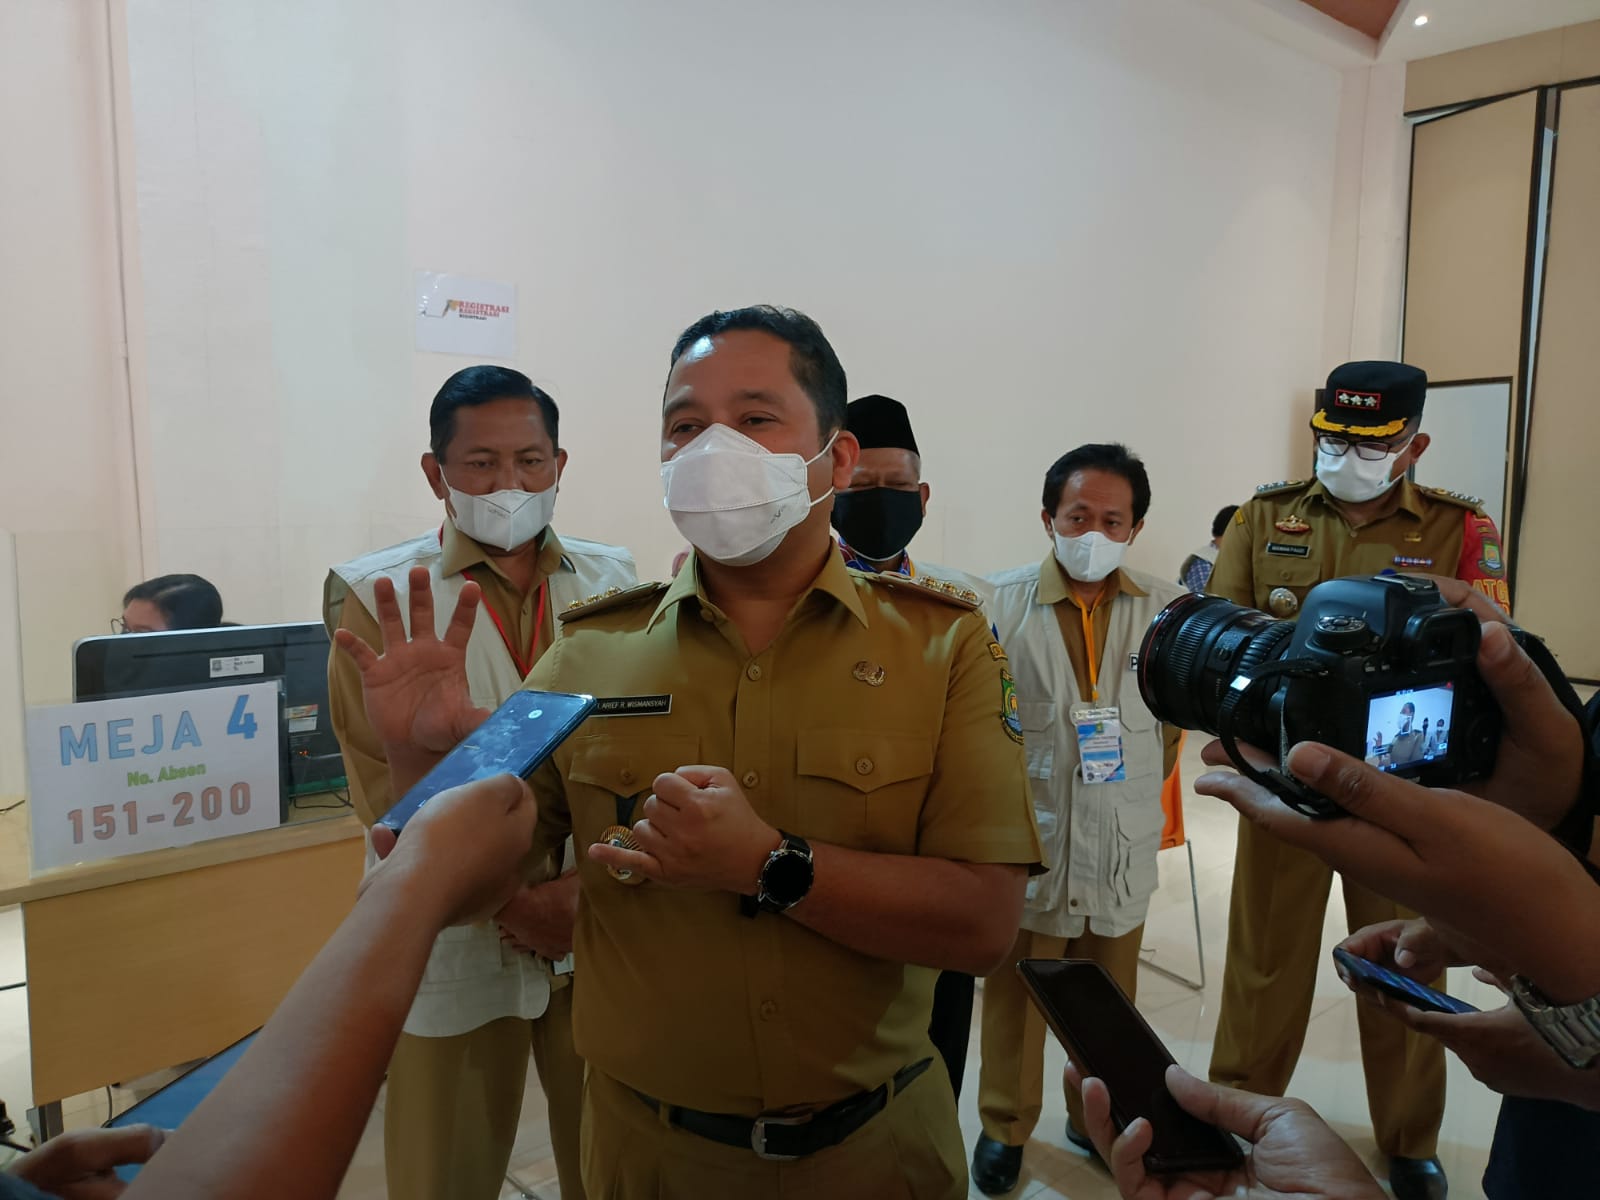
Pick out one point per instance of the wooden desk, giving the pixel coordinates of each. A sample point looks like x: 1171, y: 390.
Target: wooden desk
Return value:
x: 148, y: 961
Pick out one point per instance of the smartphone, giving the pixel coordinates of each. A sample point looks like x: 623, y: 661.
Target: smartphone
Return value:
x: 515, y: 740
x: 1392, y: 983
x: 167, y: 1107
x: 1107, y: 1038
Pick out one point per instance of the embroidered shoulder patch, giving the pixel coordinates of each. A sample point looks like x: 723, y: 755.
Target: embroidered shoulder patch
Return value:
x: 1010, y: 717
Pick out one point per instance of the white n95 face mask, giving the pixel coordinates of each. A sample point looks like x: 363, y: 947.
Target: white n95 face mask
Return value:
x: 735, y: 500
x: 1355, y: 479
x: 505, y: 519
x: 1089, y: 557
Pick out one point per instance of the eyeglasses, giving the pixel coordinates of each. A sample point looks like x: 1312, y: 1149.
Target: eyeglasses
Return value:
x: 118, y: 625
x: 1338, y: 447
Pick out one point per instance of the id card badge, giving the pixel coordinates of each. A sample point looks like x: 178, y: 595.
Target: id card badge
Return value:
x: 1100, y: 745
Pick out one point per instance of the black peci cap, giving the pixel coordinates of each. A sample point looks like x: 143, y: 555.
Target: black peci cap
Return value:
x: 1370, y: 399
x: 879, y: 422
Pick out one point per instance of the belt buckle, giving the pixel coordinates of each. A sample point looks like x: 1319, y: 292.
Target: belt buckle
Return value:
x: 758, y: 1136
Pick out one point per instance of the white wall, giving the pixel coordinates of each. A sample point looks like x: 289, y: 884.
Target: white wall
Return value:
x: 1037, y: 225
x: 65, y: 462
x: 1367, y: 245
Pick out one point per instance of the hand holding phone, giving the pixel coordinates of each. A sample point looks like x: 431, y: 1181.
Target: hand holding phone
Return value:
x: 1292, y: 1152
x: 1357, y: 971
x: 515, y: 740
x: 1108, y: 1039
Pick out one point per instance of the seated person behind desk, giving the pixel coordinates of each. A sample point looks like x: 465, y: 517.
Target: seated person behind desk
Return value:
x: 170, y: 602
x: 456, y: 1082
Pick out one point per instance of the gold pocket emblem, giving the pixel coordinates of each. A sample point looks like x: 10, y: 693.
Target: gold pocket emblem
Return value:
x: 621, y: 836
x: 870, y: 674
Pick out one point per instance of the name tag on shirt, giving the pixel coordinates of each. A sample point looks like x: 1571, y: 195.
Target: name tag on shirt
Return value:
x: 633, y: 706
x: 1100, y: 745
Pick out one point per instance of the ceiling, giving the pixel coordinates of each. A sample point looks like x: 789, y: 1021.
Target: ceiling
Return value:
x: 1370, y: 17
x: 1458, y: 24
x: 1353, y: 33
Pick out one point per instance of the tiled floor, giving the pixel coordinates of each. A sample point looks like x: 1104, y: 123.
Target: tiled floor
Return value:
x: 1329, y: 1076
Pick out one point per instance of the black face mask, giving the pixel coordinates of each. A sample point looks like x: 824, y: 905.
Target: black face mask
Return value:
x: 878, y: 522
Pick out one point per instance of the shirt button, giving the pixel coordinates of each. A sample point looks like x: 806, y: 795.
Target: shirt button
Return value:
x: 707, y: 615
x: 1072, y: 903
x: 769, y: 1009
x: 751, y: 779
x: 626, y: 775
x: 863, y: 766
x: 753, y: 671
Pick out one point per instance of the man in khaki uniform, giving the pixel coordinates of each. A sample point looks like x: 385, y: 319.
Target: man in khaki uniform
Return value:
x: 876, y: 517
x: 1360, y: 516
x: 489, y: 995
x: 759, y: 936
x: 1072, y: 626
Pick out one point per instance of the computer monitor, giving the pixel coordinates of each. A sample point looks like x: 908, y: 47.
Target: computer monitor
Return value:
x: 293, y: 656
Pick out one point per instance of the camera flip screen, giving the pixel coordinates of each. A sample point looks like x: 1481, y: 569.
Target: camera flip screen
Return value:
x: 1410, y: 727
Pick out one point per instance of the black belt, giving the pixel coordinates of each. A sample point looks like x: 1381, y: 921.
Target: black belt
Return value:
x: 784, y: 1138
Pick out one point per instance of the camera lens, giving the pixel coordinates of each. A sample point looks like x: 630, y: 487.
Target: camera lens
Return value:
x: 1194, y: 649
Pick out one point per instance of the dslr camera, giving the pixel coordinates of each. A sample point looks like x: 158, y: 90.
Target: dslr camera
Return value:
x: 1379, y: 667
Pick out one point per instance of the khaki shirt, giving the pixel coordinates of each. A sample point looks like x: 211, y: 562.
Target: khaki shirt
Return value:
x: 1076, y: 626
x: 877, y: 720
x: 1291, y: 537
x: 365, y: 765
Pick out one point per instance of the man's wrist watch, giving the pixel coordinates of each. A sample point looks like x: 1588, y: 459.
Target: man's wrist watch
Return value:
x: 1573, y: 1030
x: 785, y: 878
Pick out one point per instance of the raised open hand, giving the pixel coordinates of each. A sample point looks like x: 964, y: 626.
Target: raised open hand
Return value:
x: 416, y: 691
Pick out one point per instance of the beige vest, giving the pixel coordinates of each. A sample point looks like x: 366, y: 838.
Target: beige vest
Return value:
x: 471, y: 979
x: 1099, y: 840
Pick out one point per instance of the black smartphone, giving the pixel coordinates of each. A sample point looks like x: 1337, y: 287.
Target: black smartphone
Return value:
x: 1107, y: 1038
x: 515, y: 740
x: 1392, y: 983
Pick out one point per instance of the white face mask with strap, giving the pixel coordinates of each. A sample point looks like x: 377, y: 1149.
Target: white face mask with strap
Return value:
x: 505, y: 519
x: 1089, y: 557
x: 735, y: 500
x: 1354, y: 479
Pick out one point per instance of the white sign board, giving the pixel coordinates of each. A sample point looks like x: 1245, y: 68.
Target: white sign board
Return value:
x: 115, y: 777
x: 457, y: 315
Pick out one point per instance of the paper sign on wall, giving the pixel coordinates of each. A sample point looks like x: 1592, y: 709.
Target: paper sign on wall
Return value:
x: 114, y: 777
x: 457, y: 315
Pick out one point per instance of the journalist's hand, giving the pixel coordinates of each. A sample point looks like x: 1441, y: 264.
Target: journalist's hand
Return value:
x: 1507, y: 892
x: 460, y: 857
x: 1292, y: 1151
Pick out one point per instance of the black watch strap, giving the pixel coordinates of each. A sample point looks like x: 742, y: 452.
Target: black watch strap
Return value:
x: 785, y: 880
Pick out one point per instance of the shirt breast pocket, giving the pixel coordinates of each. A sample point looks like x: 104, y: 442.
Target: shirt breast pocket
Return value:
x: 863, y: 790
x: 1299, y: 575
x: 611, y: 775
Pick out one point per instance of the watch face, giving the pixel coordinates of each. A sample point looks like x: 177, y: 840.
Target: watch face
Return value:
x: 787, y: 878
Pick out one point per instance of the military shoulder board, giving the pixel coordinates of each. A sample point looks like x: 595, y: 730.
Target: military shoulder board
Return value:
x: 951, y: 593
x: 609, y: 599
x: 1283, y: 485
x: 1460, y: 498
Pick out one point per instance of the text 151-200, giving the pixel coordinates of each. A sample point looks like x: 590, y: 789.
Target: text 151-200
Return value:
x: 103, y: 819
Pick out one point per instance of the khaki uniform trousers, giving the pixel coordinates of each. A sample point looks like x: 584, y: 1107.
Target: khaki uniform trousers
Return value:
x: 1280, y: 894
x: 1011, y: 1074
x: 912, y: 1150
x: 453, y: 1105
